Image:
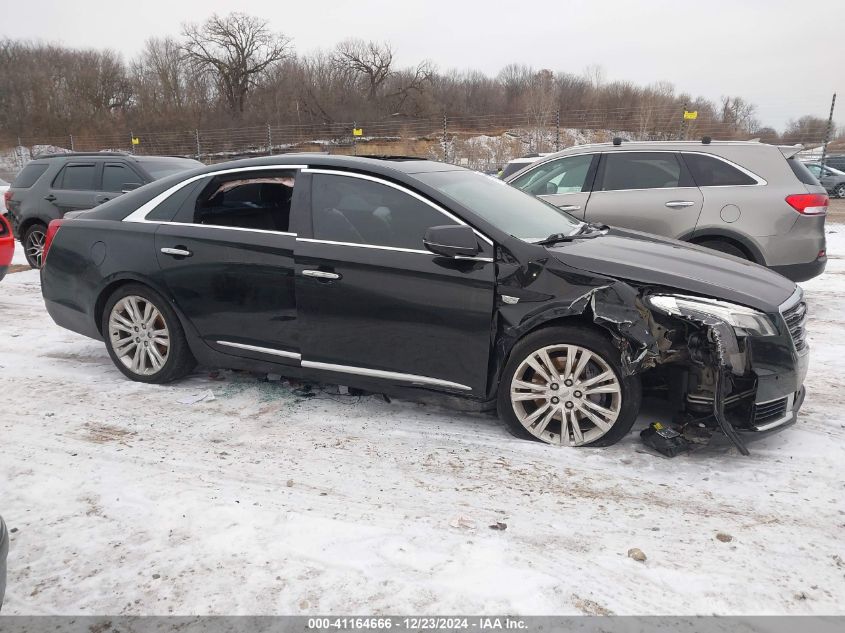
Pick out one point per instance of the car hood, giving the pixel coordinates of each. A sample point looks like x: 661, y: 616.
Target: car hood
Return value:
x: 649, y: 259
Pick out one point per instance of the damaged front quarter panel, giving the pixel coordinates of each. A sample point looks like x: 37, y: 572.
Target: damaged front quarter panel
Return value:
x: 547, y: 290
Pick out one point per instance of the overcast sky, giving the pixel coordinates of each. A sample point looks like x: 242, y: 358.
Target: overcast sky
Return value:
x: 785, y: 56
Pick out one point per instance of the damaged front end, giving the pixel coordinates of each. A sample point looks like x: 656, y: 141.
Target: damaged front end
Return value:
x: 721, y: 365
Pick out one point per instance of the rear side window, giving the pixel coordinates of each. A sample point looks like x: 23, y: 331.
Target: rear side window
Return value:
x: 709, y: 171
x: 642, y: 170
x: 29, y: 175
x: 119, y: 178
x: 802, y: 173
x: 77, y: 176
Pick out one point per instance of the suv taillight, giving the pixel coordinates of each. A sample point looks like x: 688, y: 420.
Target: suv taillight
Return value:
x: 5, y: 227
x: 52, y: 229
x: 808, y: 203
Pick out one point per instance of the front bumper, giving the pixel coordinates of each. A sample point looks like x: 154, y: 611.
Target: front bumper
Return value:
x: 779, y: 415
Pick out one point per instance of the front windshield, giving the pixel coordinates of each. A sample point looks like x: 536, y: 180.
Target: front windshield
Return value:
x: 508, y: 209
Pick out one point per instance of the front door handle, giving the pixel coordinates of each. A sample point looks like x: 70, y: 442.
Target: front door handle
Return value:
x: 320, y: 274
x: 678, y: 204
x: 50, y: 198
x: 570, y: 207
x: 177, y: 252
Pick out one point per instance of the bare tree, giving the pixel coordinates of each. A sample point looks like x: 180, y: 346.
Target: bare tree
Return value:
x: 738, y: 114
x: 237, y: 50
x: 369, y: 61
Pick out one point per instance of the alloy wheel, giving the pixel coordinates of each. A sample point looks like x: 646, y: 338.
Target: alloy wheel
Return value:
x: 34, y: 247
x: 840, y: 191
x: 566, y: 394
x: 139, y: 335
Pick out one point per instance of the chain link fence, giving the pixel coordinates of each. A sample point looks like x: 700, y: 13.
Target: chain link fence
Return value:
x: 481, y: 142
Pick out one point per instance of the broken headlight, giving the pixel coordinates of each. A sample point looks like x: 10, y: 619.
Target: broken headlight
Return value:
x: 744, y: 320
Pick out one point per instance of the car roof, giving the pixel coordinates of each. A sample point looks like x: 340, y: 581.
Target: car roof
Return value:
x: 401, y: 164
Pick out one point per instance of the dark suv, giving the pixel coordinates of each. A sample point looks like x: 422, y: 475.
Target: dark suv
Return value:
x: 51, y: 185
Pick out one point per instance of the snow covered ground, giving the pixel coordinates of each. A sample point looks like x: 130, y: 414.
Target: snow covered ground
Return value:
x: 125, y: 499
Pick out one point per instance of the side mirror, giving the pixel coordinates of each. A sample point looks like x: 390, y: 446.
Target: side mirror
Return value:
x: 551, y: 188
x: 451, y: 241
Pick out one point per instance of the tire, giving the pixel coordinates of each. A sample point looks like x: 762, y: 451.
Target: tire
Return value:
x: 839, y: 191
x: 724, y: 247
x: 135, y: 309
x: 33, y: 244
x: 558, y: 343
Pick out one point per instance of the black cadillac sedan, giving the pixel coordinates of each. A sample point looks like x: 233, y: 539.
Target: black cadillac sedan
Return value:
x: 421, y: 279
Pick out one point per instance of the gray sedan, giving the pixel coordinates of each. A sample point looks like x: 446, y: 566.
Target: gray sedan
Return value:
x: 831, y: 179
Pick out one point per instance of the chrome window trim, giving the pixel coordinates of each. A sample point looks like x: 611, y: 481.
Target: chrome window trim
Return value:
x: 390, y: 248
x: 759, y: 180
x: 140, y: 214
x: 413, y: 194
x: 216, y: 226
x: 263, y: 350
x: 387, y: 375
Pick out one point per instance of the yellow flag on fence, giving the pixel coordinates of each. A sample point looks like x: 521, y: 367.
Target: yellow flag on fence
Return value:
x: 357, y: 131
x: 690, y: 115
x: 136, y: 140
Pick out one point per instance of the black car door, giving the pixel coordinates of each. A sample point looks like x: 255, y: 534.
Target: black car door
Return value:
x: 373, y: 302
x: 227, y: 262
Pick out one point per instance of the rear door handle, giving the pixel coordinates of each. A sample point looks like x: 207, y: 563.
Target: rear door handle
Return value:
x: 102, y: 199
x: 677, y: 204
x: 320, y: 274
x: 570, y: 207
x: 177, y: 252
x: 50, y: 198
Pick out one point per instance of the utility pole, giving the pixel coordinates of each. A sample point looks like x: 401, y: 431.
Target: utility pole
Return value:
x: 269, y: 140
x: 828, y: 130
x: 682, y: 127
x: 71, y: 142
x: 197, y: 138
x: 557, y: 136
x: 131, y: 142
x: 354, y: 141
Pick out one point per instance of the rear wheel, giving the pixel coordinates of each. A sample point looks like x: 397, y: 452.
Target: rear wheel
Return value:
x: 33, y: 244
x: 724, y: 247
x: 565, y: 386
x: 144, y: 336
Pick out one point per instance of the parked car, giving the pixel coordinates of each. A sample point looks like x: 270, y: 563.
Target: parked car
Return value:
x: 426, y: 280
x: 836, y: 161
x: 831, y: 179
x: 7, y: 245
x: 53, y: 184
x: 519, y: 163
x: 747, y: 199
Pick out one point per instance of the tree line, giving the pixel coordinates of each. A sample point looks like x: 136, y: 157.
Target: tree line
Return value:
x: 234, y: 71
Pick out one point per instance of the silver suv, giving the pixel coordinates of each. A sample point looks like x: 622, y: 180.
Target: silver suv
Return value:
x: 745, y: 198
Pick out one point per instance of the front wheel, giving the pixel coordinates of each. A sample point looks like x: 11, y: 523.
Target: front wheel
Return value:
x: 33, y: 244
x: 565, y: 386
x: 144, y: 337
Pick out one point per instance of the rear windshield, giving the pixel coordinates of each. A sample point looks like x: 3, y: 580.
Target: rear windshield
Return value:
x: 29, y: 175
x: 159, y: 168
x: 802, y: 173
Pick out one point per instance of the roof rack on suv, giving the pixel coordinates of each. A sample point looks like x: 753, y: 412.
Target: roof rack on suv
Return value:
x: 63, y: 154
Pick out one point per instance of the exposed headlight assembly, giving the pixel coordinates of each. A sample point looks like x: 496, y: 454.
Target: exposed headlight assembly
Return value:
x: 744, y: 320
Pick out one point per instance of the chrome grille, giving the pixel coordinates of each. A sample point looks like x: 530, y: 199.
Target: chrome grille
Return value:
x: 795, y: 317
x: 767, y: 411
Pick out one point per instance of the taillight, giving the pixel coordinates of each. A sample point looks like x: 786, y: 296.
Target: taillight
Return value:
x: 52, y: 229
x: 5, y: 227
x: 808, y: 203
x: 7, y: 197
